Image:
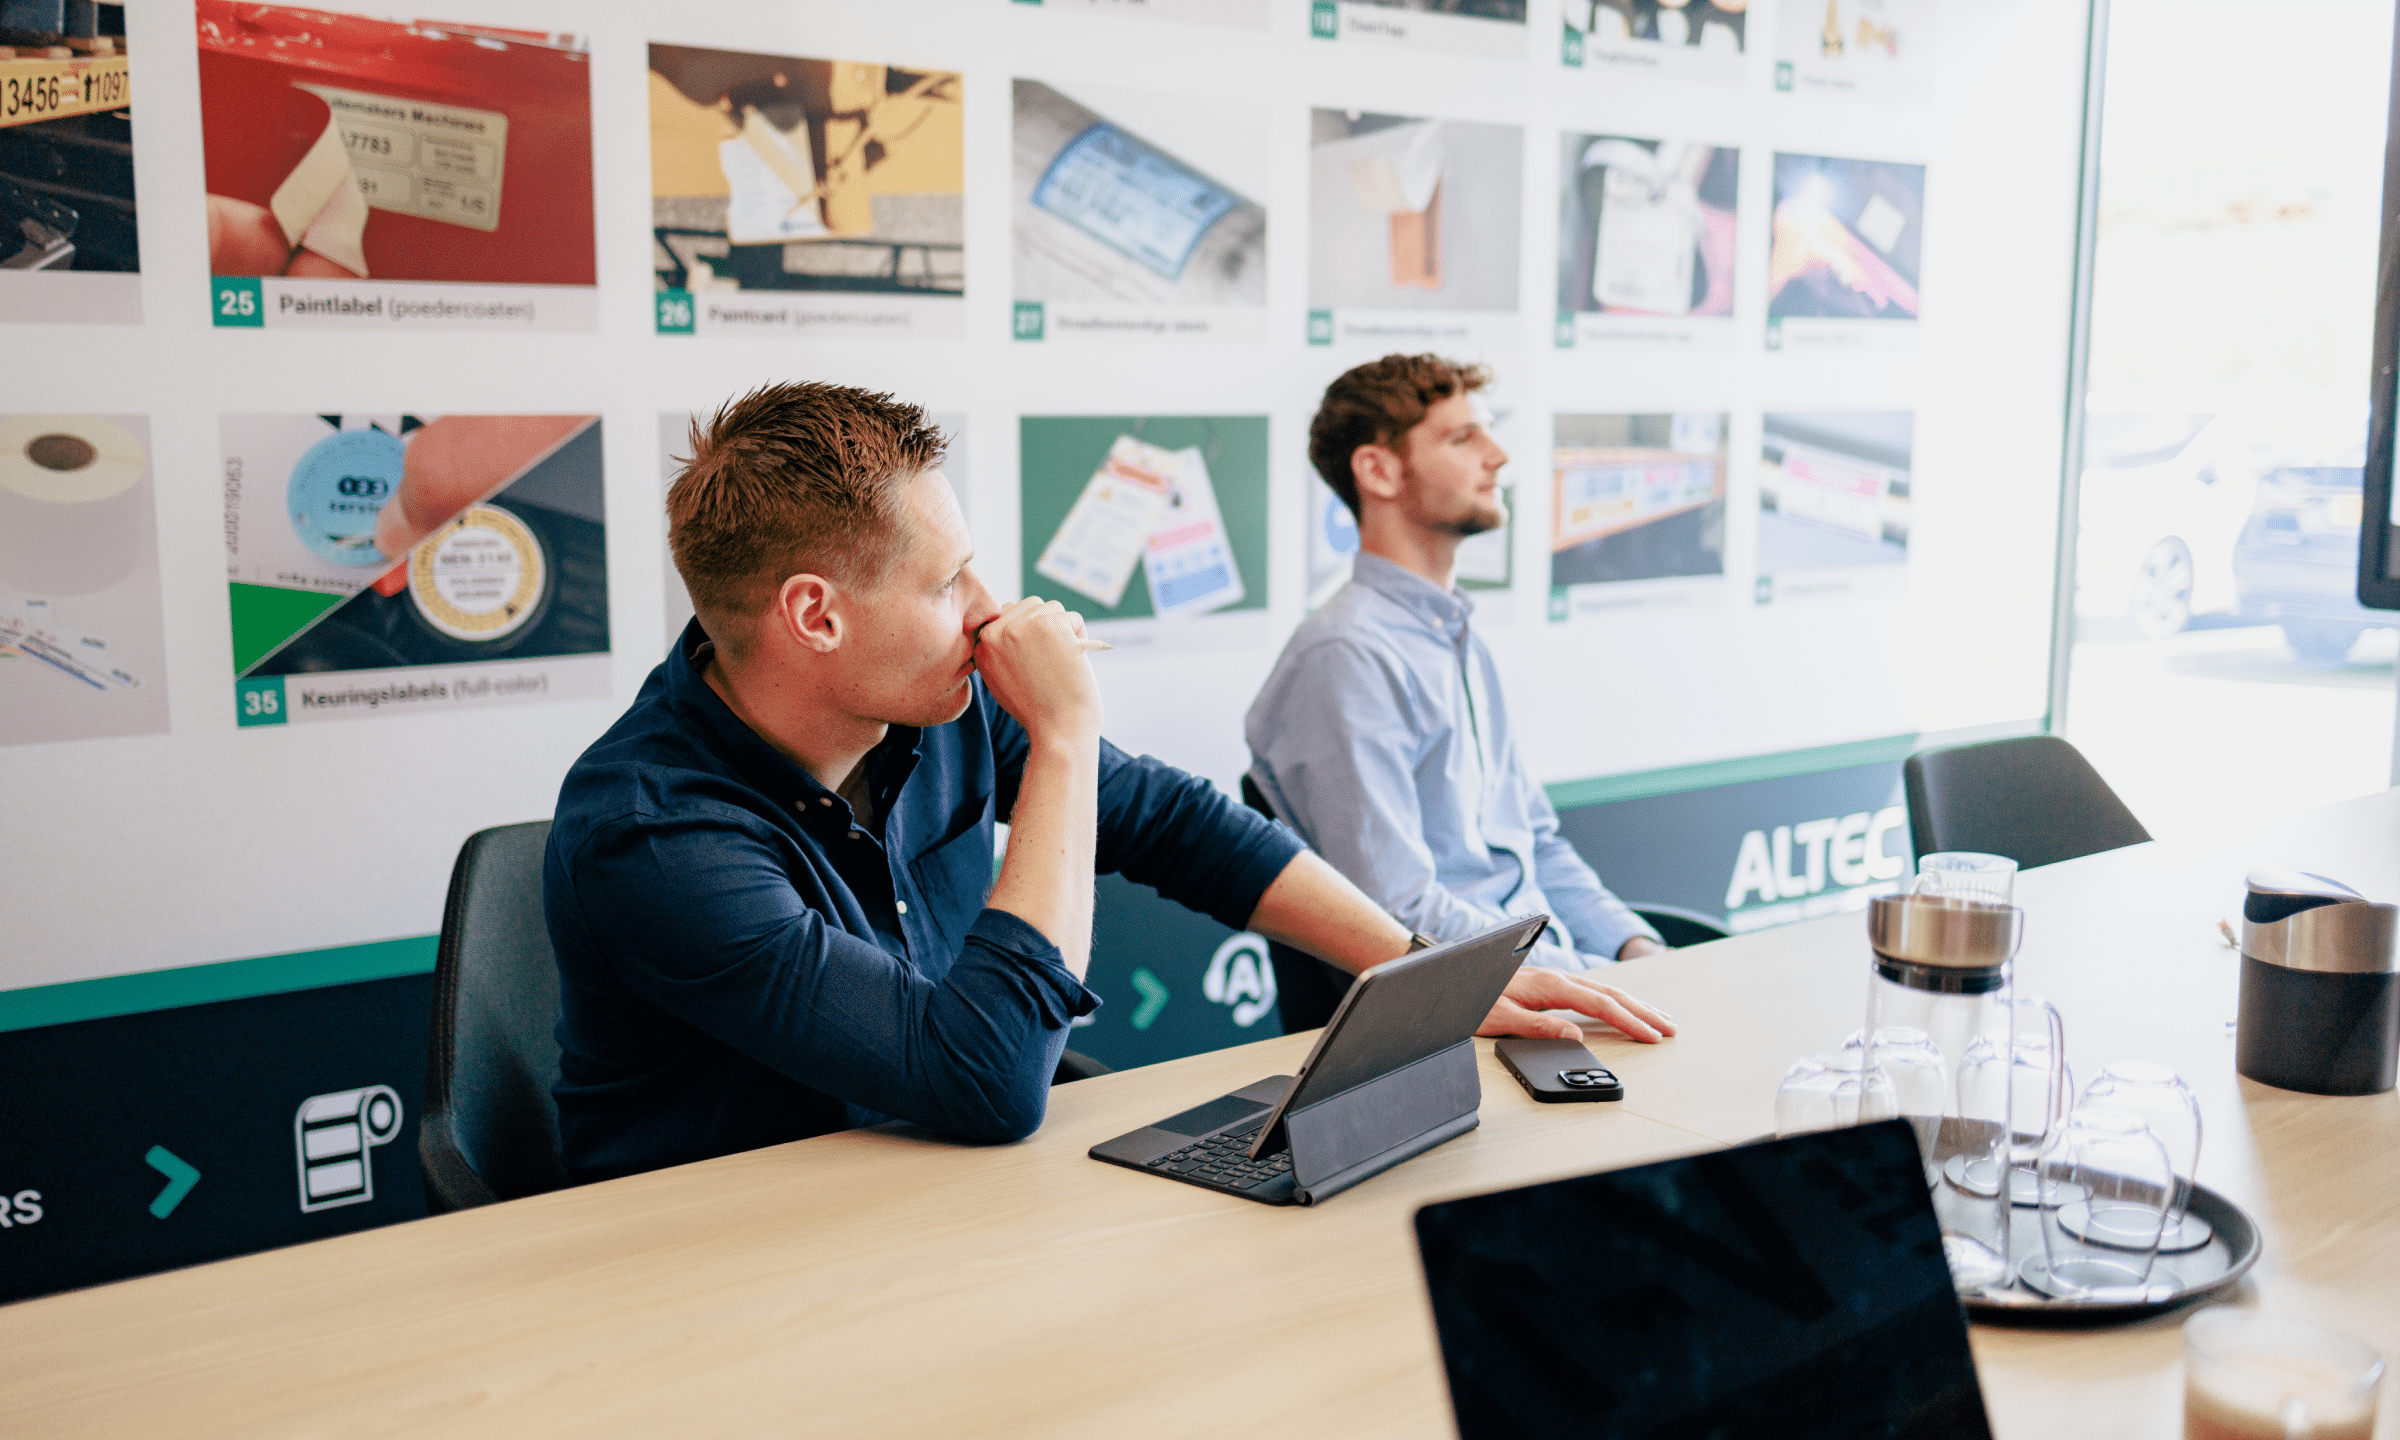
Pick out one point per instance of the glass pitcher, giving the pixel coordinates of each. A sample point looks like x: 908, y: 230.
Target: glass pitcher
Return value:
x: 1942, y: 969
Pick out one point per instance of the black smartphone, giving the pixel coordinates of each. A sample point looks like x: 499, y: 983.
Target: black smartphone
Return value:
x: 1558, y: 1071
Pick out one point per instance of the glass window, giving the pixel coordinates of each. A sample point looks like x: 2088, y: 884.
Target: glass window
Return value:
x: 2222, y: 666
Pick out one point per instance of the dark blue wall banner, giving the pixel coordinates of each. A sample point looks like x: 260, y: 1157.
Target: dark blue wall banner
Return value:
x: 145, y: 1142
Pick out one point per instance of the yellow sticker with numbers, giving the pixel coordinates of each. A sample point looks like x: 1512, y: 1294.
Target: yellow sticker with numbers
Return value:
x: 480, y: 577
x: 45, y: 89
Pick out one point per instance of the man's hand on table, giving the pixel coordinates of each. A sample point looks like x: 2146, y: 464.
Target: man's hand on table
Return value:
x: 1536, y: 990
x: 1638, y: 946
x: 1311, y: 907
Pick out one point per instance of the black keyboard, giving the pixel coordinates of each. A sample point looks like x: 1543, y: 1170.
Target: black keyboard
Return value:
x: 1220, y: 1159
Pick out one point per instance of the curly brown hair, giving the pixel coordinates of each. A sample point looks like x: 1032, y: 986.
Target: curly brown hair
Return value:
x: 1377, y: 403
x: 792, y: 479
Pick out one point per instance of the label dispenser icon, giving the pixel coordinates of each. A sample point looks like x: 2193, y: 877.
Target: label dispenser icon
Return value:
x: 334, y: 1136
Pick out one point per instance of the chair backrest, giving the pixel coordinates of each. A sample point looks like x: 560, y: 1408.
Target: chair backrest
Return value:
x: 2035, y: 800
x: 490, y: 1129
x: 1306, y: 989
x: 1680, y: 927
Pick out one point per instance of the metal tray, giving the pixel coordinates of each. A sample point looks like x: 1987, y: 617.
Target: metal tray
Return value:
x: 2214, y: 1267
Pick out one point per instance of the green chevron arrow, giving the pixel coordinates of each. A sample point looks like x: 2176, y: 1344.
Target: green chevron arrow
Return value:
x: 181, y: 1177
x: 1154, y: 998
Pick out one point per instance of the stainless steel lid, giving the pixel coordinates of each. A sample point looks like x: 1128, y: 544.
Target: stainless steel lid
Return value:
x: 1941, y: 931
x: 2302, y: 921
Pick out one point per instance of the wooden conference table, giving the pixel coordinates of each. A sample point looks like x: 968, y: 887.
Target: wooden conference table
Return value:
x: 884, y: 1283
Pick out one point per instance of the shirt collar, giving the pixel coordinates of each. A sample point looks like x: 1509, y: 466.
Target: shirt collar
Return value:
x: 727, y: 734
x: 1445, y: 610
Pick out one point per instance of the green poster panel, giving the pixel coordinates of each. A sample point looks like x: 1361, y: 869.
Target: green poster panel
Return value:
x: 1058, y: 456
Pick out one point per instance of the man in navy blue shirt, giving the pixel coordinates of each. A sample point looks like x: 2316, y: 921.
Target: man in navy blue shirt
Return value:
x: 770, y: 884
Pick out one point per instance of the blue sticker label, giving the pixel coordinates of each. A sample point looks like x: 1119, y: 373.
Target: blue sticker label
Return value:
x: 1341, y: 528
x: 1133, y: 198
x: 1177, y: 589
x: 338, y: 489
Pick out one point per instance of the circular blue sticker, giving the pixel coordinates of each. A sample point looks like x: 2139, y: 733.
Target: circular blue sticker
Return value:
x: 338, y: 489
x: 1341, y: 527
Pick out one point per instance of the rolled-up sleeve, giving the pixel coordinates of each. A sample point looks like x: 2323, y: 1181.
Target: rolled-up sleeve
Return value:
x: 743, y: 955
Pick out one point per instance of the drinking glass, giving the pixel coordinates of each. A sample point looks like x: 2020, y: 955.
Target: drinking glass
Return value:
x: 2165, y: 1104
x: 1920, y: 1085
x: 1831, y: 1090
x: 1967, y: 875
x: 2105, y: 1169
x: 2040, y: 1090
x: 2248, y: 1376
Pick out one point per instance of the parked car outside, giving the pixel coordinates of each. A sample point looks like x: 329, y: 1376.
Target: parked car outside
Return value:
x: 2296, y: 562
x: 2170, y: 484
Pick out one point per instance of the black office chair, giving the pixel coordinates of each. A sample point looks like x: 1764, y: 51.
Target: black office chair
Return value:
x: 1680, y: 927
x: 490, y: 1128
x: 1306, y: 988
x: 490, y: 1131
x: 2035, y: 800
x: 1075, y: 1066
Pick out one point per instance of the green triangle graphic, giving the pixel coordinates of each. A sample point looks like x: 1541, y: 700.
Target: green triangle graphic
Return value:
x: 265, y: 616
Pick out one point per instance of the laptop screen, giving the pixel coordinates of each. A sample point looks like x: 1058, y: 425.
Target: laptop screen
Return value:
x: 1793, y: 1288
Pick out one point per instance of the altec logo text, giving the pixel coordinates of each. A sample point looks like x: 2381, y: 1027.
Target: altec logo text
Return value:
x: 1782, y: 874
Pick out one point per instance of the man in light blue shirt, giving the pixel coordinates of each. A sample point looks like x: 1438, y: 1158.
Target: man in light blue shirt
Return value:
x: 1382, y: 736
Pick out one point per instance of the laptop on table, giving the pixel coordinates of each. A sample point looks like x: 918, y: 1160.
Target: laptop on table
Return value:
x: 1391, y: 1076
x: 1793, y: 1288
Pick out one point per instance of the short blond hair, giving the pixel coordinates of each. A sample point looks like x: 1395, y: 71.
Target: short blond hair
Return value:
x: 792, y: 479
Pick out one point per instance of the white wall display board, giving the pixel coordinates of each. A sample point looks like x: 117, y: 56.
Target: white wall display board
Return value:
x: 1242, y: 14
x: 369, y: 173
x: 1133, y: 218
x: 1637, y: 512
x: 1864, y: 529
x: 1697, y: 40
x: 1878, y: 49
x: 384, y: 563
x: 1415, y: 230
x: 70, y: 251
x: 1647, y: 239
x: 794, y: 195
x: 82, y: 642
x: 1484, y: 28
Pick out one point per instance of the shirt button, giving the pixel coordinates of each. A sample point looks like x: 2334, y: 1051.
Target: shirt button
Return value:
x: 858, y: 834
x: 824, y: 799
x: 902, y: 905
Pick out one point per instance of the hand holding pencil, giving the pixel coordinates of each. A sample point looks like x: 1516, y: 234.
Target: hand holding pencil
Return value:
x: 1085, y: 641
x: 1031, y: 658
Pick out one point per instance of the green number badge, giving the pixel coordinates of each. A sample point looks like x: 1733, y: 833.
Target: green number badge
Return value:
x: 236, y: 300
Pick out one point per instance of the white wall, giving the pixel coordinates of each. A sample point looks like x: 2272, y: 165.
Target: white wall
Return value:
x: 209, y: 843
